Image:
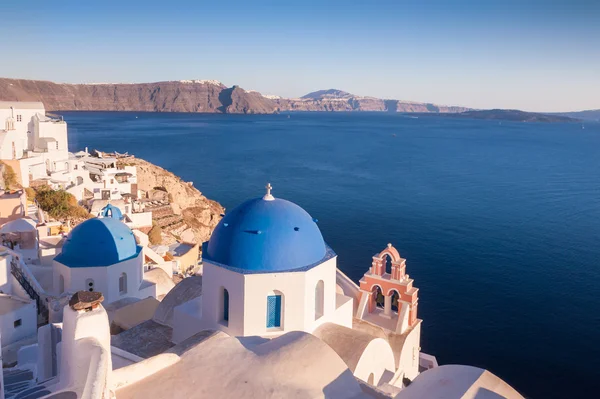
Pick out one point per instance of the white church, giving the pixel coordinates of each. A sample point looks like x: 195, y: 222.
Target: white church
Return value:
x: 271, y: 308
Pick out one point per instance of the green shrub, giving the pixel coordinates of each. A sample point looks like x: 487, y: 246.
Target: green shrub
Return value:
x: 30, y: 193
x: 60, y: 204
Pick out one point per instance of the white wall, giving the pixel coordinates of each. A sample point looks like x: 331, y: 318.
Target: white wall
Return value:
x: 248, y: 300
x: 48, y: 254
x: 5, y: 276
x: 28, y: 316
x: 409, y: 357
x: 80, y: 366
x: 18, y: 136
x: 214, y: 279
x: 375, y: 359
x: 142, y: 219
x: 52, y: 129
x: 106, y: 278
x: 187, y: 319
x: 11, y: 137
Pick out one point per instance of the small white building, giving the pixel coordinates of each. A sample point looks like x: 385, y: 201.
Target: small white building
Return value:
x: 32, y: 143
x: 101, y: 254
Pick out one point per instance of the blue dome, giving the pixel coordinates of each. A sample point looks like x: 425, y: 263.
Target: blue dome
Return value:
x: 98, y: 242
x: 266, y: 236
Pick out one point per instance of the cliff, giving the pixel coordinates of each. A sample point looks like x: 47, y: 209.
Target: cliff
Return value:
x: 194, y: 96
x: 180, y: 96
x: 190, y: 210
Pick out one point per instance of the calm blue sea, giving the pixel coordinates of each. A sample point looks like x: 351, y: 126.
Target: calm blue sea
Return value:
x: 500, y: 222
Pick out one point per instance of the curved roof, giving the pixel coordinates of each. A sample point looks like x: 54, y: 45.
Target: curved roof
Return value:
x: 454, y: 381
x: 187, y: 289
x: 294, y: 365
x: 266, y: 235
x: 349, y: 344
x: 98, y: 242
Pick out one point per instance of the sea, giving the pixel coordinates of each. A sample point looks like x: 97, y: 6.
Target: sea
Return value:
x: 499, y: 221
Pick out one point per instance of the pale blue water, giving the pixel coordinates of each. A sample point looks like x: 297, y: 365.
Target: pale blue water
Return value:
x: 500, y: 223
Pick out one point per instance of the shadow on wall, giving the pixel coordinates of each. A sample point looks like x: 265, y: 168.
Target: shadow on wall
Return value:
x: 483, y: 393
x: 346, y: 386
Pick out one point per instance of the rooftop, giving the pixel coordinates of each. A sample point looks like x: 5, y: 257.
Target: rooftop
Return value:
x: 180, y: 248
x: 9, y: 303
x: 213, y: 364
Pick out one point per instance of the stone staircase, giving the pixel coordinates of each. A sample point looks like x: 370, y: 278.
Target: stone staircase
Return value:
x: 20, y: 384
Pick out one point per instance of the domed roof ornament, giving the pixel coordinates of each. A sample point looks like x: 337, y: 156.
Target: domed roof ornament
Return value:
x: 268, y: 196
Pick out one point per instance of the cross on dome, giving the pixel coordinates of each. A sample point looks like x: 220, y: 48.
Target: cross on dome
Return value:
x: 268, y: 196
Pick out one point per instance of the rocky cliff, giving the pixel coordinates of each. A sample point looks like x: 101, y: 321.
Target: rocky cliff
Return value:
x: 181, y: 96
x: 191, y: 210
x: 194, y: 96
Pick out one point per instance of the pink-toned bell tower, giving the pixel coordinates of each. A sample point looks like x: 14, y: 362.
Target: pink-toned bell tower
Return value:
x: 393, y: 285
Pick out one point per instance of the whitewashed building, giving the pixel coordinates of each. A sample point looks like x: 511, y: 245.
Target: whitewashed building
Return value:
x: 101, y: 254
x: 31, y: 142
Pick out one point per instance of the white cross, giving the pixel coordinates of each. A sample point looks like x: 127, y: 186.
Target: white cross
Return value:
x: 268, y: 196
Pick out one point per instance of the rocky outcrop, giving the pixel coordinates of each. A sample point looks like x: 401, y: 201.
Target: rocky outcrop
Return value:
x: 194, y: 96
x: 199, y: 213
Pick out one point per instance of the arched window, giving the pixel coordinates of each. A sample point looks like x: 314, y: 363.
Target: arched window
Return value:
x: 225, y: 306
x: 319, y: 299
x: 371, y: 380
x: 378, y: 297
x: 79, y: 179
x: 395, y: 299
x: 388, y: 264
x: 123, y: 284
x: 274, y: 310
x: 61, y: 284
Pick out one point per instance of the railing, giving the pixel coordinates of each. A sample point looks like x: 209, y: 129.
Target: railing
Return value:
x: 29, y: 283
x: 55, y: 116
x: 31, y: 289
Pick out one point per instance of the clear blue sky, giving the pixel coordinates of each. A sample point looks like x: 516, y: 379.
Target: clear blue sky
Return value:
x: 532, y: 55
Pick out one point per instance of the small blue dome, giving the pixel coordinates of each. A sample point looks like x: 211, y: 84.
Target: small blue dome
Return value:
x: 98, y: 242
x: 111, y: 211
x: 266, y: 236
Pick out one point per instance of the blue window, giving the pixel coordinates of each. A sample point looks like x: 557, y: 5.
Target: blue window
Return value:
x: 273, y: 311
x: 225, y: 305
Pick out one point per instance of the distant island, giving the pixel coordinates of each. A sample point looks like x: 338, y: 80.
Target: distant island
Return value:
x: 589, y: 115
x: 212, y: 96
x: 512, y: 115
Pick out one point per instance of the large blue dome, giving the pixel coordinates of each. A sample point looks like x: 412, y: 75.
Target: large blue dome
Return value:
x: 98, y: 242
x: 266, y: 235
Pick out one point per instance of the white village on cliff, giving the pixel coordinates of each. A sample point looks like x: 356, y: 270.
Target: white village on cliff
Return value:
x: 96, y: 310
